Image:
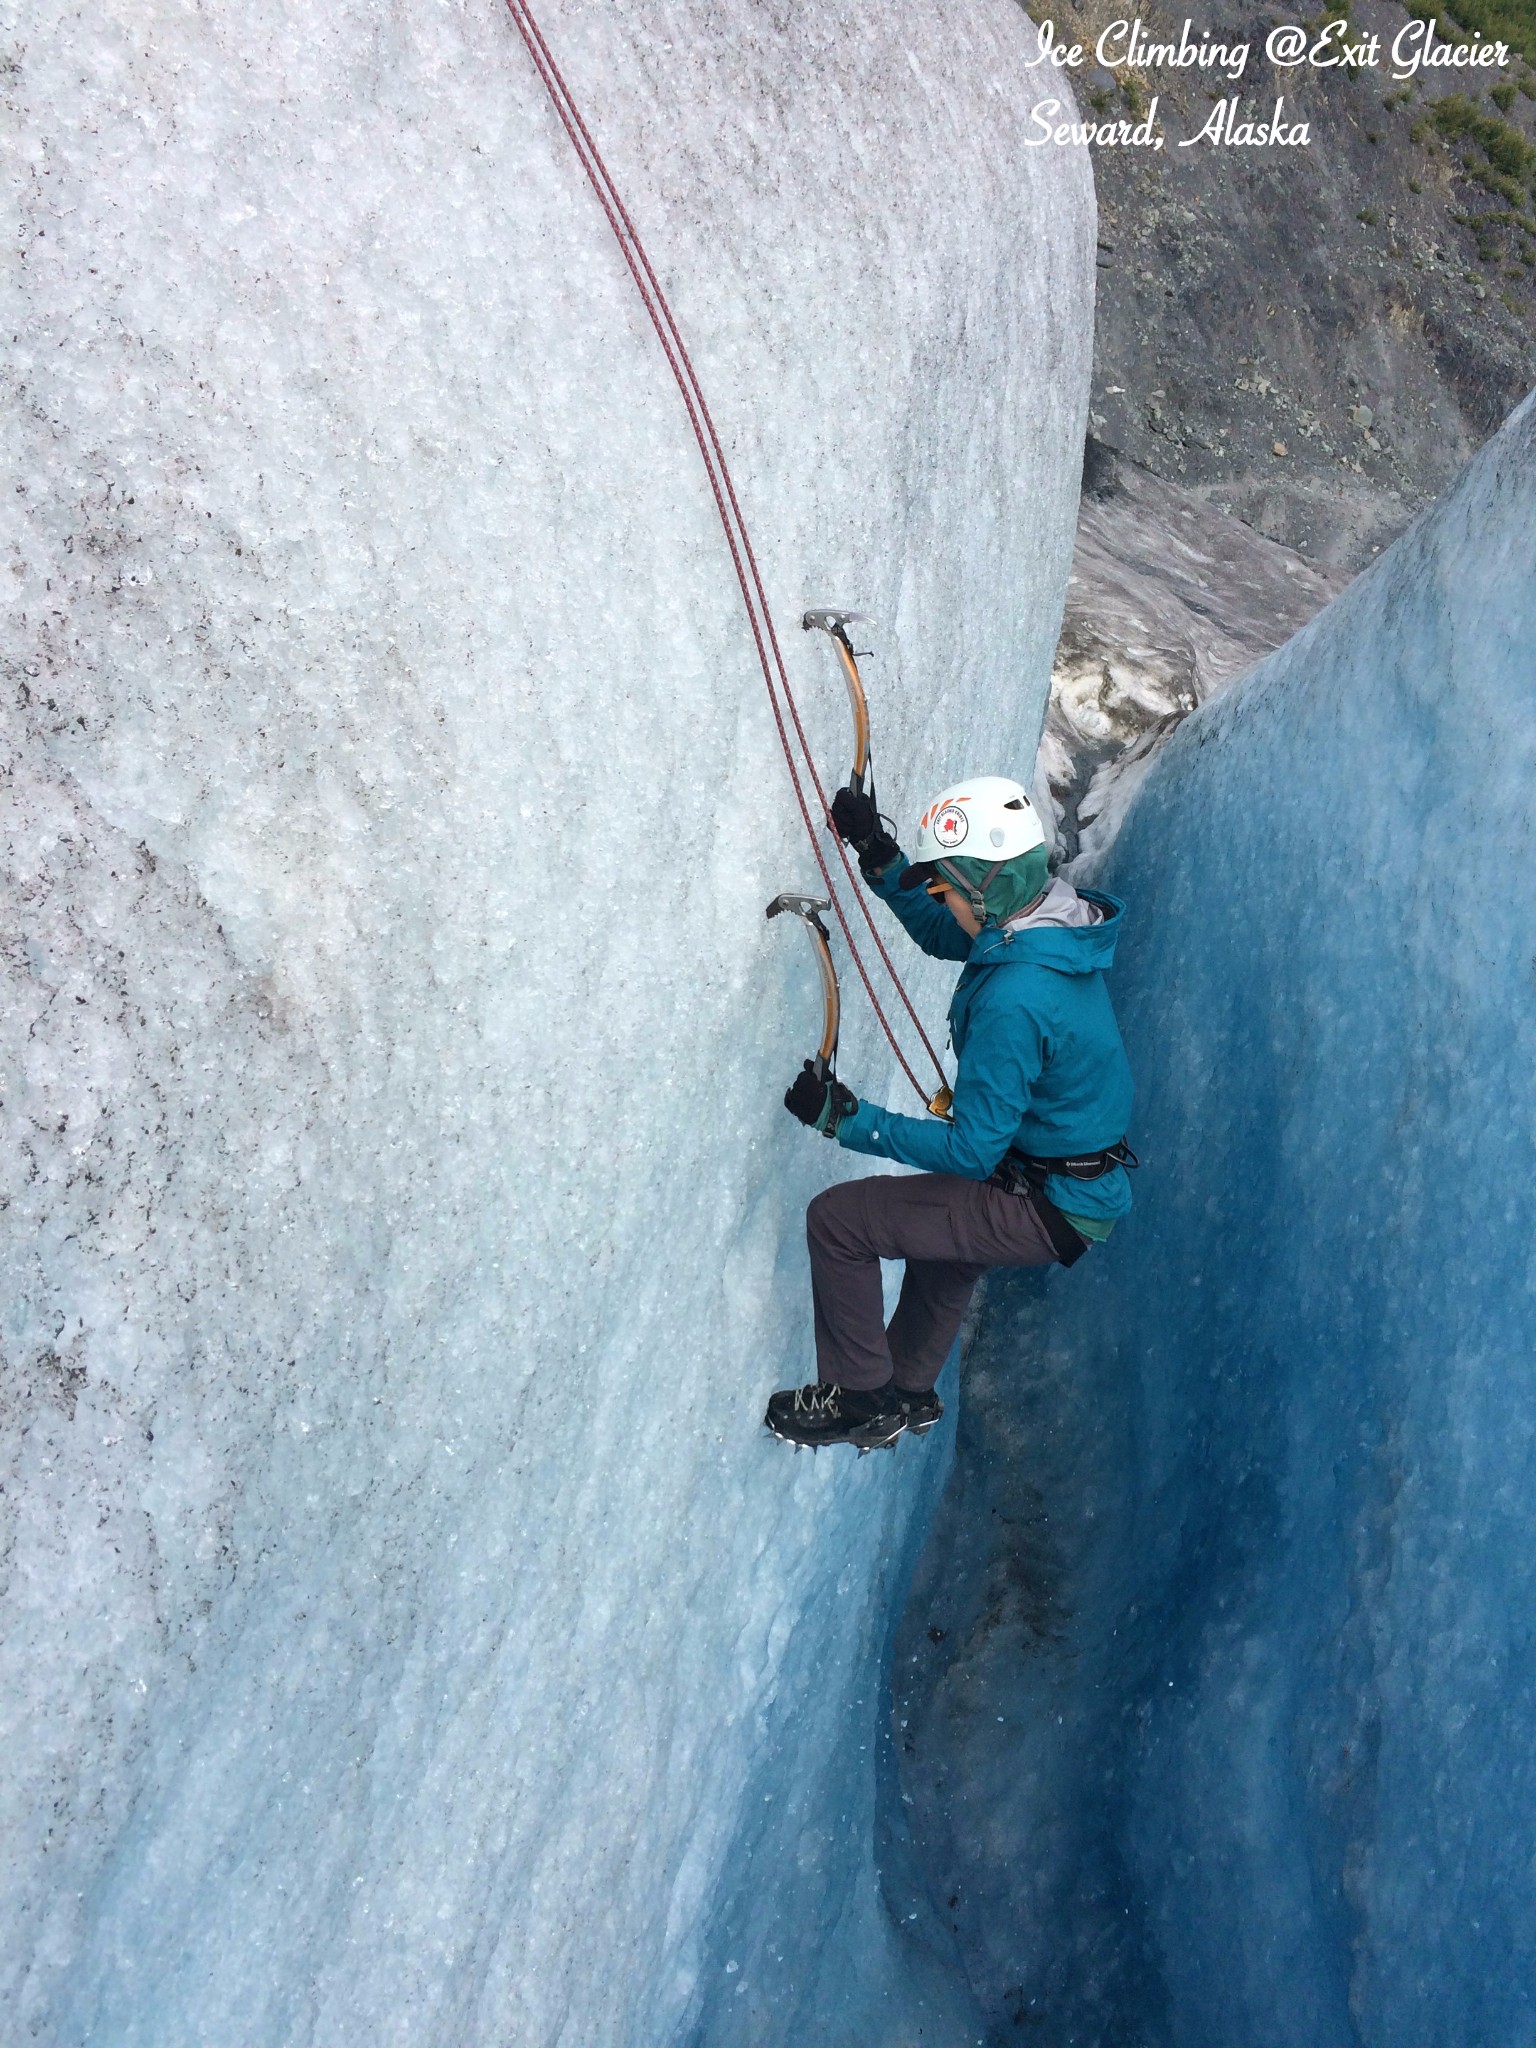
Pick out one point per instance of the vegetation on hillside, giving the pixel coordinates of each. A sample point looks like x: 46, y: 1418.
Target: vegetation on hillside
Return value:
x: 1507, y: 21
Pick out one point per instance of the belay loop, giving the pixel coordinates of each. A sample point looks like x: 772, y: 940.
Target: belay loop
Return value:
x: 743, y: 560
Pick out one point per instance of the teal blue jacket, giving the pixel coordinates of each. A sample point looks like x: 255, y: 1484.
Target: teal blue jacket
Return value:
x: 1040, y: 1065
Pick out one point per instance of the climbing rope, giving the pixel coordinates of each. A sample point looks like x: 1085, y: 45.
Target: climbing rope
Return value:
x: 744, y: 561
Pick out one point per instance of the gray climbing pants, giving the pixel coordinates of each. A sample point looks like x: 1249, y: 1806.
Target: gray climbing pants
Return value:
x: 950, y: 1231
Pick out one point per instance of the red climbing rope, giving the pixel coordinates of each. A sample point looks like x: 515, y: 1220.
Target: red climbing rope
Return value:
x: 753, y: 596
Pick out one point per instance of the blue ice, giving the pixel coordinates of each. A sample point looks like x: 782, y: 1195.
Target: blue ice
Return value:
x: 1228, y: 1735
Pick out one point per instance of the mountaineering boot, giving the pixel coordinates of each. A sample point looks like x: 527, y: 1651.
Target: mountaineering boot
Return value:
x: 823, y: 1414
x: 921, y: 1410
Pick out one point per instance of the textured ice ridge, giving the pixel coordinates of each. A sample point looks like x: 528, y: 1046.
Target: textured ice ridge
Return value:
x: 1229, y: 1735
x: 409, y: 1636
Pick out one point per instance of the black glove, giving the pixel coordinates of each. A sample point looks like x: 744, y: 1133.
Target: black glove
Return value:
x: 859, y: 824
x: 820, y: 1101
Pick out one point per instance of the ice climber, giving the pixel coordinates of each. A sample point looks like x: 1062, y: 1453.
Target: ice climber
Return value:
x: 1030, y: 1168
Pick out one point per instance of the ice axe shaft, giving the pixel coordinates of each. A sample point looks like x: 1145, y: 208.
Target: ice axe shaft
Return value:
x: 808, y: 909
x: 835, y: 623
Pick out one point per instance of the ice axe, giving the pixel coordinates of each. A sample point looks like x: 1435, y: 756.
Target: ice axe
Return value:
x: 808, y: 909
x: 835, y: 623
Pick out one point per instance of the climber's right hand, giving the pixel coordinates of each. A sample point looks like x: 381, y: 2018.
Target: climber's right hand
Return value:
x: 859, y: 825
x: 854, y: 816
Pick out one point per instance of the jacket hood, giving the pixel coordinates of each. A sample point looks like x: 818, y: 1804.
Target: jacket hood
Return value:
x: 1069, y: 949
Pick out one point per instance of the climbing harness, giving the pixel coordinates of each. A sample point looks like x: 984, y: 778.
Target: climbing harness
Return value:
x: 1068, y: 1244
x: 1086, y: 1166
x: 1022, y: 1173
x: 744, y: 561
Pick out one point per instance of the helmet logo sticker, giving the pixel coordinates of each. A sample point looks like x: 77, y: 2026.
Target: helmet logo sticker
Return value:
x: 950, y: 826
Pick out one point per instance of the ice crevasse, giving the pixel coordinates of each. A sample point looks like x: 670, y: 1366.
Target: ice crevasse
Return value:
x: 1236, y: 1577
x: 408, y: 1634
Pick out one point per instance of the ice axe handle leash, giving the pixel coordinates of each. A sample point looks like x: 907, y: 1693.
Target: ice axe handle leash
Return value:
x: 808, y: 909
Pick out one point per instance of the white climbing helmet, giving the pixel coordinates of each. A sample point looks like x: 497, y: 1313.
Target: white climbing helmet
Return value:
x: 986, y: 818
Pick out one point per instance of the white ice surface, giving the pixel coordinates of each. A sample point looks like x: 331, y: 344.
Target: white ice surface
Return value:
x: 406, y: 1625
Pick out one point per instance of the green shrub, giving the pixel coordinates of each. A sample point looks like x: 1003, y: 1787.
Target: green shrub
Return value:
x: 1457, y: 116
x: 1510, y: 153
x: 1510, y: 21
x: 1501, y: 187
x: 1509, y: 161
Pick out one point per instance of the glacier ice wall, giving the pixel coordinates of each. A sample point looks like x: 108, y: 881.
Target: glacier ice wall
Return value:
x: 409, y: 1635
x: 1228, y: 1734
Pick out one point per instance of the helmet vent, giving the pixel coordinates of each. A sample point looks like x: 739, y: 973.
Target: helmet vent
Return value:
x: 1016, y: 803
